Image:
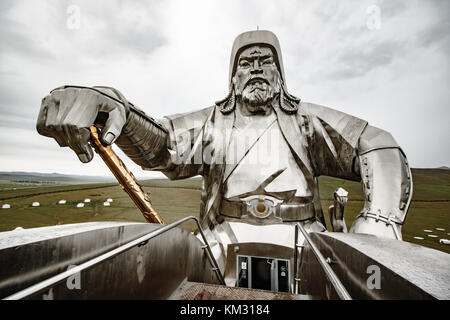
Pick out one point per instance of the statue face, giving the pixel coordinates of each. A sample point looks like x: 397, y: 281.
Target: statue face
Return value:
x: 257, y: 77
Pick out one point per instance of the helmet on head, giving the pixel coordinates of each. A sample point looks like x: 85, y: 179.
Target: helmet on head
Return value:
x: 287, y: 102
x: 251, y: 38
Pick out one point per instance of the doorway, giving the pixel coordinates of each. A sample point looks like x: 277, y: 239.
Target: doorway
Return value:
x: 263, y: 273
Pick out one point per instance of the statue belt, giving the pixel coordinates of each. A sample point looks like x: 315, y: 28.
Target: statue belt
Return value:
x: 262, y: 206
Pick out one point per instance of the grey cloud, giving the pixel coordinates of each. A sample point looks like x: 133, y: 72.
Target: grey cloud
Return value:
x: 437, y: 35
x: 24, y: 149
x: 357, y: 61
x: 5, y: 5
x: 14, y: 111
x: 331, y: 12
x: 140, y: 32
x: 144, y: 42
x: 16, y: 100
x: 442, y: 7
x: 109, y: 39
x: 17, y: 122
x: 15, y: 40
x: 390, y: 9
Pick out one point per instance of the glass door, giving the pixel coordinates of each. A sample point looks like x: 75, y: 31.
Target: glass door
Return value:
x: 263, y: 273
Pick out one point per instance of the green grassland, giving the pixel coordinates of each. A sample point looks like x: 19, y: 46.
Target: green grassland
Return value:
x: 177, y: 199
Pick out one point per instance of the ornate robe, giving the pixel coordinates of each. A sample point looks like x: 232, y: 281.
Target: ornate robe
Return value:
x: 323, y: 142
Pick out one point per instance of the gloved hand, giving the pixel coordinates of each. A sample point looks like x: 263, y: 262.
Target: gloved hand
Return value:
x: 67, y: 113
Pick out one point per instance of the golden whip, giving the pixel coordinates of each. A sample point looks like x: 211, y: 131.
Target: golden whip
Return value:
x: 126, y: 179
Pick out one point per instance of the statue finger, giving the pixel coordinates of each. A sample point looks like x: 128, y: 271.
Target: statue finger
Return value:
x: 83, y: 108
x: 113, y: 126
x: 60, y: 138
x: 78, y: 141
x: 42, y: 118
x: 51, y: 114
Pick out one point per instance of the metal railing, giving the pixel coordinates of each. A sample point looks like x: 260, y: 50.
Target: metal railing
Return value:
x: 296, y: 259
x: 38, y: 287
x: 330, y: 274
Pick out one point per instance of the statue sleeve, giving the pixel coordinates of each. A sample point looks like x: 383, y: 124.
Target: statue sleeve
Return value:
x: 346, y: 147
x: 387, y: 184
x: 172, y: 145
x: 334, y: 138
x: 185, y: 143
x: 144, y: 140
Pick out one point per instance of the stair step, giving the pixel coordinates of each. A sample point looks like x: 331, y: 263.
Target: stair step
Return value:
x: 204, y: 291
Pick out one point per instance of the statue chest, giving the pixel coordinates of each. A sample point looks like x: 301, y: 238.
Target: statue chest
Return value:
x: 260, y: 161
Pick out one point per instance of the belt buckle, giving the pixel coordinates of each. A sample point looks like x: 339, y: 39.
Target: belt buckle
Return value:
x: 261, y: 206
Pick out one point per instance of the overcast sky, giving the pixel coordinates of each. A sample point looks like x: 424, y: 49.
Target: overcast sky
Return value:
x: 384, y: 61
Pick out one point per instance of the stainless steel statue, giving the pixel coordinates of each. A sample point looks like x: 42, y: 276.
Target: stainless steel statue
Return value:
x: 260, y: 151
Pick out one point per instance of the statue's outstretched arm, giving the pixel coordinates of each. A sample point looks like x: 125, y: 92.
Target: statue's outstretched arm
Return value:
x: 144, y: 140
x: 387, y: 184
x: 347, y: 147
x: 68, y: 111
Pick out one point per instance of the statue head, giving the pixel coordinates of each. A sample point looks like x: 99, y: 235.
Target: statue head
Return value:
x: 256, y: 38
x: 256, y: 78
x: 257, y: 75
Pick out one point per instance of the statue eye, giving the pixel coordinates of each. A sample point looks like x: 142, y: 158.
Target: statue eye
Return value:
x: 244, y: 63
x: 267, y: 61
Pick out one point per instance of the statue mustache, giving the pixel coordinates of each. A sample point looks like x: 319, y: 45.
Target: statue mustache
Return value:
x: 258, y: 83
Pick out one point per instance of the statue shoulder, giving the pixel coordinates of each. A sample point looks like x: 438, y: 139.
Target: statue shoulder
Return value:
x: 188, y: 120
x: 196, y: 114
x: 347, y: 126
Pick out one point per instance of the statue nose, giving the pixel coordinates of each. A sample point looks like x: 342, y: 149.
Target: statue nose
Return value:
x: 256, y: 69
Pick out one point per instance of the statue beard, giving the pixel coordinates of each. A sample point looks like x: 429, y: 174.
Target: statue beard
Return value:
x: 260, y: 100
x: 257, y: 96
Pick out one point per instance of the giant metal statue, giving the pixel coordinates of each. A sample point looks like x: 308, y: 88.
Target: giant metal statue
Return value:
x: 260, y: 151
